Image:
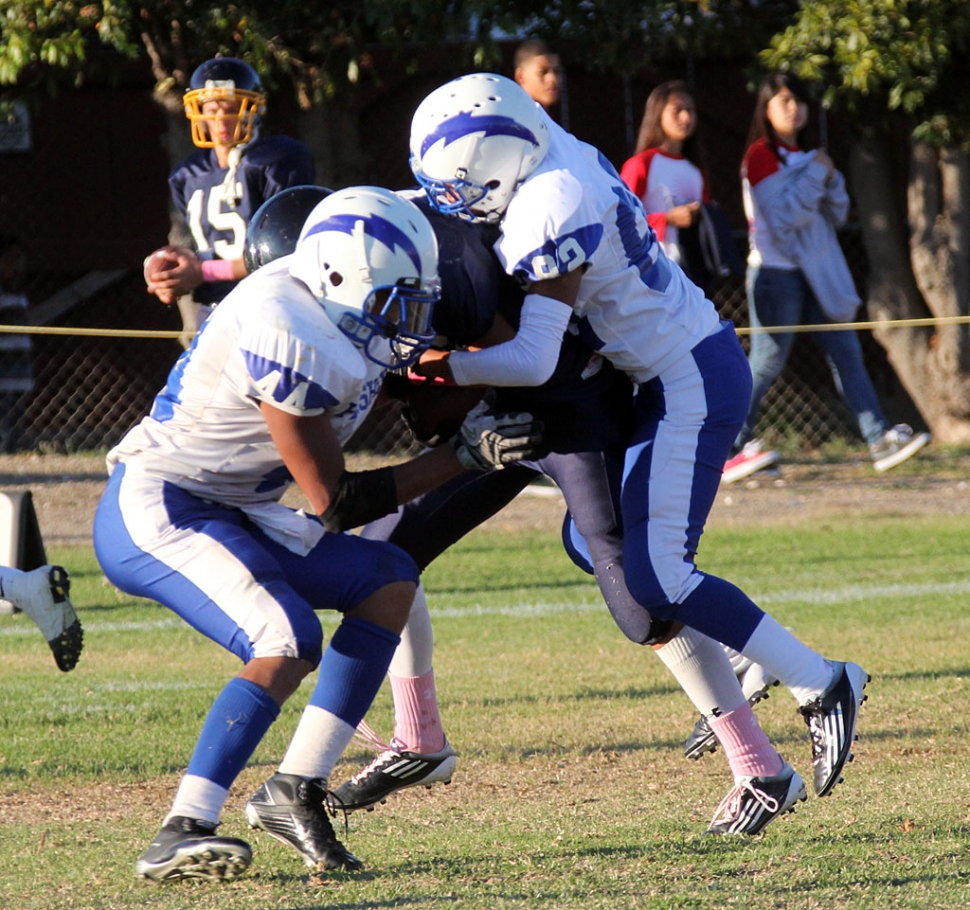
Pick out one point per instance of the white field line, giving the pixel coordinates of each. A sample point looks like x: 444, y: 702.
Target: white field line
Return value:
x: 814, y: 595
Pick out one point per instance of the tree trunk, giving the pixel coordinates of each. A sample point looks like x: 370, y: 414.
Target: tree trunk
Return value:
x: 930, y: 362
x: 178, y: 145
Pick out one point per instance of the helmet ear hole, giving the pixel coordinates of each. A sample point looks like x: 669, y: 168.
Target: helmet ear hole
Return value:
x: 370, y: 258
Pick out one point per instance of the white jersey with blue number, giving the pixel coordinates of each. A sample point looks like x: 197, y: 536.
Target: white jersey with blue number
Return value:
x: 635, y: 307
x: 269, y: 340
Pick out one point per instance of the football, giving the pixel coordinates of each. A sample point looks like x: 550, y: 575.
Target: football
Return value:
x: 162, y: 260
x: 433, y: 411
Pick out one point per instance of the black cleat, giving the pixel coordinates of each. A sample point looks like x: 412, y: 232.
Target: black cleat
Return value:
x: 831, y: 720
x: 392, y: 771
x: 48, y: 603
x: 755, y: 801
x: 190, y: 848
x: 297, y: 812
x: 755, y: 680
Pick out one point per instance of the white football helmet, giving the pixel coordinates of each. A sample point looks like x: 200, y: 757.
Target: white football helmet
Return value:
x: 371, y: 258
x: 473, y: 141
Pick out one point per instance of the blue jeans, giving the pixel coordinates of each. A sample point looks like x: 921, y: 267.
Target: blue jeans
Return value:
x: 783, y: 297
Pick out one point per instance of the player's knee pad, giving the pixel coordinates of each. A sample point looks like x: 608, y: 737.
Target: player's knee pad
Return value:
x: 301, y: 636
x: 639, y: 626
x: 647, y: 591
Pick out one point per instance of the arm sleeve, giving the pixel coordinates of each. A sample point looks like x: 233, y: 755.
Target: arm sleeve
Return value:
x: 287, y: 370
x: 658, y: 221
x: 634, y: 175
x: 528, y: 359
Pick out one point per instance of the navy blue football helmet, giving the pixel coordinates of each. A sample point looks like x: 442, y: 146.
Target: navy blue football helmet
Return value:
x: 274, y: 229
x: 225, y: 79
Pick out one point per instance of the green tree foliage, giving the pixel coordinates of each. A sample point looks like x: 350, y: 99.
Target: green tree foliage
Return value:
x: 322, y: 48
x: 624, y: 36
x: 878, y: 57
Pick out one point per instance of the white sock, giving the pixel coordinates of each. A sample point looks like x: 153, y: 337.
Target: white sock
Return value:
x: 199, y: 798
x: 16, y: 586
x: 413, y: 656
x: 806, y: 673
x: 319, y: 740
x: 739, y: 662
x: 704, y: 672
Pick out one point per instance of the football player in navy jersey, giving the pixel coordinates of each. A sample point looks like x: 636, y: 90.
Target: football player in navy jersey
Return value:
x: 586, y: 411
x: 578, y: 239
x: 219, y: 187
x: 586, y: 408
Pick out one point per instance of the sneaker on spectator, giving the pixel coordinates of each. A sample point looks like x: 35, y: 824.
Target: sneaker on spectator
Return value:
x: 895, y: 446
x: 748, y: 461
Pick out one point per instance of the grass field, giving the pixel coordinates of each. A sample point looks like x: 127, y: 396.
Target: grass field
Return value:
x: 572, y: 790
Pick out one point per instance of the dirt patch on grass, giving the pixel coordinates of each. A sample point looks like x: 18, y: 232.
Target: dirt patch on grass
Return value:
x: 66, y: 488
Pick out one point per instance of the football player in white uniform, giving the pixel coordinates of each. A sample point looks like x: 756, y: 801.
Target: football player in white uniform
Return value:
x: 578, y: 238
x: 281, y: 375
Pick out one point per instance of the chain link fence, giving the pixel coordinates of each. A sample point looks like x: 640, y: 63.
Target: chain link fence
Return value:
x: 86, y: 391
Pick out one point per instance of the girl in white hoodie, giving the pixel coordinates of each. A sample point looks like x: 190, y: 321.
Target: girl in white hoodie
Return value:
x: 797, y: 274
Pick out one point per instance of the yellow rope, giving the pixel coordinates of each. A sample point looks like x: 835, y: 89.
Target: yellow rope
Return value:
x: 744, y: 330
x: 97, y: 333
x: 858, y: 326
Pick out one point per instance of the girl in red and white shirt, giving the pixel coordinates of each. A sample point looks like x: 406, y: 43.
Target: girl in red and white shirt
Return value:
x: 665, y: 172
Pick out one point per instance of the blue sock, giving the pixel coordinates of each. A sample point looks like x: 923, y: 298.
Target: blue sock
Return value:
x: 237, y: 721
x: 353, y: 668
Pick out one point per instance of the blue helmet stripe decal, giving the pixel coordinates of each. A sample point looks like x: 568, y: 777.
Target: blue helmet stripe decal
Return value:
x: 380, y: 229
x: 466, y: 123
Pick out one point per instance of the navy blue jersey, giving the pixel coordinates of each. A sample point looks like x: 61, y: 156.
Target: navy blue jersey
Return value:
x: 217, y: 214
x: 586, y: 404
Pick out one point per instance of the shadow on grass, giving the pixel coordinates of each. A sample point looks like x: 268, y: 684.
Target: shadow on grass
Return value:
x: 631, y: 693
x: 921, y: 675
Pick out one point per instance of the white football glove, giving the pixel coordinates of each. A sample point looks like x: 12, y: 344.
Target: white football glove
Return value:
x: 489, y: 439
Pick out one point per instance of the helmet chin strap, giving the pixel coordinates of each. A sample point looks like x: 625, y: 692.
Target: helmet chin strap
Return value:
x: 232, y: 195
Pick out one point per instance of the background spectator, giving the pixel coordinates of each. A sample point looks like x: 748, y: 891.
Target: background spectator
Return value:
x: 797, y: 274
x: 539, y: 71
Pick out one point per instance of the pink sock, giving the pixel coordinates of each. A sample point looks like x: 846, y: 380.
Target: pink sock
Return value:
x: 417, y: 723
x: 746, y: 746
